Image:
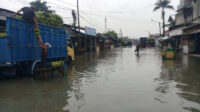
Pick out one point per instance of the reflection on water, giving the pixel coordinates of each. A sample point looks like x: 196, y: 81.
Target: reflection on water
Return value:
x: 115, y: 80
x: 182, y: 77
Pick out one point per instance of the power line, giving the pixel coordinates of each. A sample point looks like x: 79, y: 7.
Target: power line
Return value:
x: 67, y: 3
x: 67, y: 17
x: 90, y: 22
x: 68, y: 9
x: 21, y: 1
x: 57, y: 6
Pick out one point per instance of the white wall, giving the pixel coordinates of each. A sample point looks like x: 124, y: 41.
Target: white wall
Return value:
x: 179, y: 19
x: 196, y: 12
x: 176, y: 32
x: 181, y: 4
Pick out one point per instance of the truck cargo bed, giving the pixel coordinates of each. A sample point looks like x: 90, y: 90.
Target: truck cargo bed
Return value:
x: 21, y: 44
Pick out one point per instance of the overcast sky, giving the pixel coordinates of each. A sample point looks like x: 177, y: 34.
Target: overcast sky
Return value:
x: 132, y: 16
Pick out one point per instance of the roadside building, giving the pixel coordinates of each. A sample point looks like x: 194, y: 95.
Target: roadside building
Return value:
x: 176, y: 32
x: 192, y: 39
x: 191, y: 32
x: 185, y: 33
x: 84, y: 41
x: 157, y: 38
x: 153, y: 40
x: 89, y: 41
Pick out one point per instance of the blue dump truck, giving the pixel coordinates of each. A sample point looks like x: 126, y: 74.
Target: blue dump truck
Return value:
x: 20, y: 54
x: 143, y: 42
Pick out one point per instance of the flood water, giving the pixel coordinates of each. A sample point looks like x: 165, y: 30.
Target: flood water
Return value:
x: 110, y: 81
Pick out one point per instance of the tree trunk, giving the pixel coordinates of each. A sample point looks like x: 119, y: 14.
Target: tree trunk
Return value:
x: 163, y: 17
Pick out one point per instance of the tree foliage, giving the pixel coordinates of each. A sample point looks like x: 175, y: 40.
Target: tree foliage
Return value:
x: 45, y: 15
x: 163, y: 4
x: 112, y: 34
x: 49, y: 19
x: 41, y: 6
x: 172, y: 22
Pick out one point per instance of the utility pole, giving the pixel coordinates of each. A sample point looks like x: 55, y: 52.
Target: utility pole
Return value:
x: 121, y: 32
x: 105, y: 24
x: 160, y: 28
x: 78, y: 16
x: 79, y: 30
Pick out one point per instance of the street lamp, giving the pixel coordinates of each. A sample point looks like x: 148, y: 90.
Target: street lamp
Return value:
x: 159, y: 25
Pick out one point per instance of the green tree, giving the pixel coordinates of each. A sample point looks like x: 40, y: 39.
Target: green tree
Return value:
x: 112, y: 34
x: 172, y: 22
x: 163, y: 4
x: 49, y: 19
x: 41, y: 6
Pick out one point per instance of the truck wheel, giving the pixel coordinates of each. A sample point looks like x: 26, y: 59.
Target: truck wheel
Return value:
x: 35, y: 67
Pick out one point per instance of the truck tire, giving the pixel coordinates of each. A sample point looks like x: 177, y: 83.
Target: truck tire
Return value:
x: 40, y: 71
x: 35, y: 66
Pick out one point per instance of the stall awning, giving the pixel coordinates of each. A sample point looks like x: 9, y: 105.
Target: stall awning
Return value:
x: 165, y: 38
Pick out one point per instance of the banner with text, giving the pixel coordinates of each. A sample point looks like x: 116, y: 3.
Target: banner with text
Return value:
x: 90, y: 31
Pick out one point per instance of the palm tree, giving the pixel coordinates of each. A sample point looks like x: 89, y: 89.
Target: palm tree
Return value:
x: 163, y: 4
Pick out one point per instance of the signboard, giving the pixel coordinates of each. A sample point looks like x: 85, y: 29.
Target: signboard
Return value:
x: 90, y: 31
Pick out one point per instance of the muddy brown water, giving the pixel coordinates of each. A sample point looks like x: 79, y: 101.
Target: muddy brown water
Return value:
x: 111, y: 81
